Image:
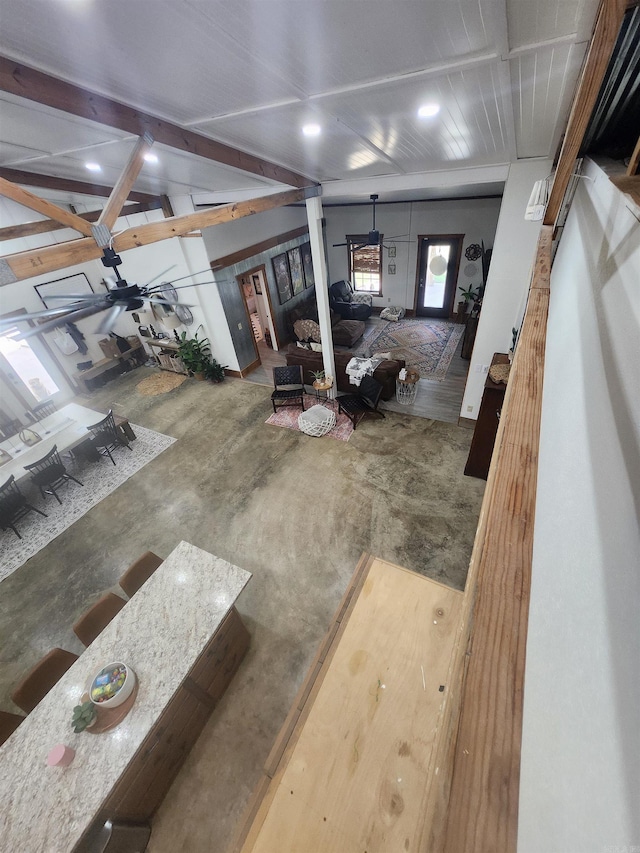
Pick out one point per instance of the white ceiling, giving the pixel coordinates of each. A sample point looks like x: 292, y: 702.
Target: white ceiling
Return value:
x: 250, y: 73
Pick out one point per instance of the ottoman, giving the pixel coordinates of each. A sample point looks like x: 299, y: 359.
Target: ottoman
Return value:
x: 317, y: 421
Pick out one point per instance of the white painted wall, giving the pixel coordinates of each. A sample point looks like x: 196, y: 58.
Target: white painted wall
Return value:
x: 509, y: 277
x: 475, y: 218
x: 229, y: 237
x: 580, y: 776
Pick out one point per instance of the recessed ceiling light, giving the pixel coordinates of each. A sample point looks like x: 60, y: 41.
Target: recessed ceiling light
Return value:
x: 93, y: 167
x: 151, y: 158
x: 311, y: 130
x: 428, y: 110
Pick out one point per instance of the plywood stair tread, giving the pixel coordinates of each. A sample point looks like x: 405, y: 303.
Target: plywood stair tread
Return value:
x: 355, y: 760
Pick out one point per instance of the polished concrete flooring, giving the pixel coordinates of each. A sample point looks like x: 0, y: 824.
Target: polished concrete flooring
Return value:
x: 295, y: 511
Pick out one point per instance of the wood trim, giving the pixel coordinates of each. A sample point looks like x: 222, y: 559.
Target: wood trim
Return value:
x: 237, y: 374
x: 634, y: 162
x: 628, y: 185
x: 265, y: 284
x: 485, y: 717
x: 257, y: 248
x: 443, y: 237
x: 26, y: 82
x: 602, y: 44
x: 48, y: 182
x: 250, y: 367
x: 38, y: 261
x: 44, y: 226
x: 47, y: 208
x: 124, y: 184
x: 167, y: 209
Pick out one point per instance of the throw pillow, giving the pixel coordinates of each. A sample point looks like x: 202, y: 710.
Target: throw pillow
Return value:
x: 303, y: 345
x: 385, y: 356
x: 307, y: 330
x: 315, y: 347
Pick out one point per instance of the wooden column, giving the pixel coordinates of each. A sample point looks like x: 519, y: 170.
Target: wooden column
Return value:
x: 314, y: 215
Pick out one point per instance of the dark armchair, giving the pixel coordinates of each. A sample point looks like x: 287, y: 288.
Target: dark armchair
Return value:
x: 363, y: 403
x: 347, y: 303
x: 289, y: 387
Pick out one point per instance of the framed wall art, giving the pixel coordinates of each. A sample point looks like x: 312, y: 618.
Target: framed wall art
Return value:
x: 74, y: 285
x: 295, y: 268
x: 307, y: 265
x: 283, y: 277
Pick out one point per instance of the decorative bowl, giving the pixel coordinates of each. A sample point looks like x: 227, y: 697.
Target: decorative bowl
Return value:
x: 112, y: 685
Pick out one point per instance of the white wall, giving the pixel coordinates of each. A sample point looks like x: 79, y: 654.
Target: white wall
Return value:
x: 580, y: 777
x: 475, y: 218
x: 229, y: 237
x: 509, y: 277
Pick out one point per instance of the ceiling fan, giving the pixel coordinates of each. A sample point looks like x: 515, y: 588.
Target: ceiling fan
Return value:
x: 121, y: 298
x: 373, y: 238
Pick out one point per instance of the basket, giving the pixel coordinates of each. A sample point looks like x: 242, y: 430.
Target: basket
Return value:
x: 165, y: 360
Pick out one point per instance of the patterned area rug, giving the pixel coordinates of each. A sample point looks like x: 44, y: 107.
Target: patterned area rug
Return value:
x: 426, y: 345
x: 99, y: 480
x: 287, y: 416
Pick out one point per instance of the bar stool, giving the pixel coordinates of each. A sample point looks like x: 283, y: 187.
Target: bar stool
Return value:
x: 95, y: 620
x: 139, y: 572
x: 41, y: 678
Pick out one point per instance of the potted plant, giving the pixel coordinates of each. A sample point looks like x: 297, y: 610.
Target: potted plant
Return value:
x: 84, y: 716
x: 214, y: 371
x: 195, y: 354
x: 469, y: 295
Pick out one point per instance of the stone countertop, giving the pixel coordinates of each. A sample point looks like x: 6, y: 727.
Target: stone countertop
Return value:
x: 160, y: 633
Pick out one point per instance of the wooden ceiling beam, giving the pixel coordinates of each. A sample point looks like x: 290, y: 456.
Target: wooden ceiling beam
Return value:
x: 26, y: 82
x: 602, y: 44
x: 49, y: 182
x: 50, y: 258
x: 45, y: 226
x: 125, y: 182
x: 47, y: 208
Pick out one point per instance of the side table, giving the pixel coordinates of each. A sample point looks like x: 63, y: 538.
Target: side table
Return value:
x: 325, y: 385
x: 407, y: 388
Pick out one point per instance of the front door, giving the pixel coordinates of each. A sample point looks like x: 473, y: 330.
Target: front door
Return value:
x: 438, y: 262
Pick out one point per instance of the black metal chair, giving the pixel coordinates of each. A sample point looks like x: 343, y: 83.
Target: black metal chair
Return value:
x: 49, y: 473
x: 289, y: 386
x: 365, y: 402
x: 44, y: 409
x: 14, y: 506
x: 105, y: 436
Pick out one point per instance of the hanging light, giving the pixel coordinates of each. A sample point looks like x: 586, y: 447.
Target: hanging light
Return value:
x: 438, y: 265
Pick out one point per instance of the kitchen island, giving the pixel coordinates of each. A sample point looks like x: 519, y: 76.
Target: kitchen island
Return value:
x: 184, y: 639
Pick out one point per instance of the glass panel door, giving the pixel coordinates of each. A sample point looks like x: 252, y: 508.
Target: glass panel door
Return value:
x: 27, y: 374
x: 438, y: 261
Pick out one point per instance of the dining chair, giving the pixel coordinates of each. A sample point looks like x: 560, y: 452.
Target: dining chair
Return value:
x: 105, y: 436
x: 364, y: 402
x: 139, y: 572
x: 9, y: 428
x: 288, y: 386
x: 44, y: 409
x: 49, y: 473
x: 8, y: 724
x: 14, y: 506
x: 96, y: 618
x: 41, y: 678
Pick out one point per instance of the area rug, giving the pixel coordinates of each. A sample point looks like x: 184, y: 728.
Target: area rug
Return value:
x: 160, y: 383
x: 99, y: 479
x: 287, y: 417
x: 426, y: 345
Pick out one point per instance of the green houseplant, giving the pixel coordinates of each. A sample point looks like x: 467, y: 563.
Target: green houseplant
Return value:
x: 84, y: 715
x: 470, y: 294
x: 195, y: 354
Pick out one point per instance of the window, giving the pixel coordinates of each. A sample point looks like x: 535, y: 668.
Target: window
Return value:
x: 365, y: 264
x: 22, y: 359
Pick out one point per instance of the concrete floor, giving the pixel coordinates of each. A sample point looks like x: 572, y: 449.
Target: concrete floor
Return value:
x: 295, y: 511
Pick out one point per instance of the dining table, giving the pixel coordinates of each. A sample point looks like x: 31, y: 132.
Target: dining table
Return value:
x: 183, y: 638
x: 66, y: 429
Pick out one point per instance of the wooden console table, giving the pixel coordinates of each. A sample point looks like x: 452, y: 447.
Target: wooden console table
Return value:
x: 88, y: 377
x: 183, y: 637
x: 166, y: 361
x: 353, y: 767
x: 484, y: 434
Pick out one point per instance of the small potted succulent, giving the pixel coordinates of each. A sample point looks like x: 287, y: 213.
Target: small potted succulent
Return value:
x: 84, y: 716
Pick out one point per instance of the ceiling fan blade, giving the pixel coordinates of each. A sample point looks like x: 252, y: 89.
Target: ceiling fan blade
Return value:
x: 191, y: 275
x: 168, y: 269
x: 163, y: 302
x: 36, y: 315
x: 85, y: 297
x: 111, y: 318
x: 73, y: 317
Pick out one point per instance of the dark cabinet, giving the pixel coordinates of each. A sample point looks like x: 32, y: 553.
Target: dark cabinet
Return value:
x: 484, y: 434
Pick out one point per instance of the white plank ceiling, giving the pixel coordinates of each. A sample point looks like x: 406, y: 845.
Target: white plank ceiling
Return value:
x: 250, y: 73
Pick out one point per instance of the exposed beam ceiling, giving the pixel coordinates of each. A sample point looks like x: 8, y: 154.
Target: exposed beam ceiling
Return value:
x: 35, y: 179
